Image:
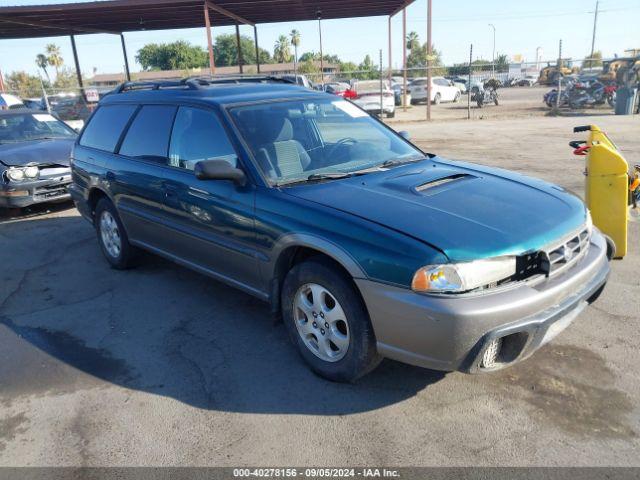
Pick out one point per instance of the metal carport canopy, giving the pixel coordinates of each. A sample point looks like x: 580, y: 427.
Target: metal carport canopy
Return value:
x: 117, y: 16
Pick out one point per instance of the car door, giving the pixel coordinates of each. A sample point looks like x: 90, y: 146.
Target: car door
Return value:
x: 212, y: 221
x: 137, y: 174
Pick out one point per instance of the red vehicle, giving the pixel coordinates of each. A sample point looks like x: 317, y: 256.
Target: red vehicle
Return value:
x: 341, y: 89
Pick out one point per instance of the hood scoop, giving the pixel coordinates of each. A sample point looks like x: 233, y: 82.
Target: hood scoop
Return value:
x: 443, y: 183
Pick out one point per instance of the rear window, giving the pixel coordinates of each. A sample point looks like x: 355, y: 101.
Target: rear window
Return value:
x: 148, y: 135
x: 106, y: 127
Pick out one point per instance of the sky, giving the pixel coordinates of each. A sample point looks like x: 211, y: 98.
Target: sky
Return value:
x: 521, y: 27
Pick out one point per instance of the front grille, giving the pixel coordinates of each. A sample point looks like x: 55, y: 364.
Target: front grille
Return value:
x: 566, y: 253
x: 51, y: 191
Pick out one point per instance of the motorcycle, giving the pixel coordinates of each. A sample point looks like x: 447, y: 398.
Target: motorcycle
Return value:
x: 583, y: 95
x: 488, y: 95
x: 550, y: 98
x: 610, y: 94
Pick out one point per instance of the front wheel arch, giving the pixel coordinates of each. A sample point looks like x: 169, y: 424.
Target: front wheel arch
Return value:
x: 291, y: 256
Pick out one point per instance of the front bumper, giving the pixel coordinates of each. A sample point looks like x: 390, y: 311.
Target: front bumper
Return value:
x: 452, y: 332
x: 53, y: 188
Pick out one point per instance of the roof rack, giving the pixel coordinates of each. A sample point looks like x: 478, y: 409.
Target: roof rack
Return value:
x: 156, y: 85
x: 218, y: 79
x: 197, y: 82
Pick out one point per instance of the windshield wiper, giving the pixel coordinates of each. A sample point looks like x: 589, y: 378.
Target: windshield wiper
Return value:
x: 329, y: 176
x: 314, y: 177
x: 399, y: 161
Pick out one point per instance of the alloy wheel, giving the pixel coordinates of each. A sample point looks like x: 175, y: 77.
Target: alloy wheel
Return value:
x: 321, y: 322
x: 110, y: 234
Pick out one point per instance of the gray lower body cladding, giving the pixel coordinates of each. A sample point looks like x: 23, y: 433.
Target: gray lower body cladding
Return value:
x: 451, y: 332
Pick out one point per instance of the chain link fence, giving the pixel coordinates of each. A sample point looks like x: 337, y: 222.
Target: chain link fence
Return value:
x: 457, y: 91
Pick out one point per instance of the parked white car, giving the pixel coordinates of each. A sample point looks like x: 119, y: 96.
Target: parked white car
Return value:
x: 442, y: 90
x: 368, y: 97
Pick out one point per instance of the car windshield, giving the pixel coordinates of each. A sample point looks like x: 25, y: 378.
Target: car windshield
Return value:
x: 318, y: 139
x: 32, y: 126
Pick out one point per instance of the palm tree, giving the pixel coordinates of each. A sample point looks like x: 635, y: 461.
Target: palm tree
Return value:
x: 42, y: 62
x: 295, y: 41
x: 281, y: 53
x: 413, y: 41
x: 54, y: 57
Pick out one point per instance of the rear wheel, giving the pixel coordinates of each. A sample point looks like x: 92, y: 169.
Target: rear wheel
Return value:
x: 456, y: 99
x: 328, y: 322
x: 391, y: 114
x: 436, y: 99
x: 112, y: 237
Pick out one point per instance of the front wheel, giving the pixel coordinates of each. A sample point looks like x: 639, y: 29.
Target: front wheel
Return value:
x: 456, y: 99
x: 436, y: 99
x: 327, y: 320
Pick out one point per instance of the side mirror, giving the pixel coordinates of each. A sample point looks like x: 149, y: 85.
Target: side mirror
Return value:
x: 404, y: 134
x: 217, y: 169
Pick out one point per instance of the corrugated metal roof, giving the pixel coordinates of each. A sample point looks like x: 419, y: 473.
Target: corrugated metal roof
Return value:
x: 116, y: 16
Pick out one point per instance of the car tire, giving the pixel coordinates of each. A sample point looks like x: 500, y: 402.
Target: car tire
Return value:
x: 391, y: 114
x: 112, y: 237
x: 456, y: 99
x: 343, y: 348
x: 436, y: 99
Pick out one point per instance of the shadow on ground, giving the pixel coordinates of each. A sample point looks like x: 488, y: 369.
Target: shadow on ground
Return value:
x: 69, y: 322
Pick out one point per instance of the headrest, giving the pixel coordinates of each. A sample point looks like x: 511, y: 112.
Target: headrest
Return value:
x: 276, y: 128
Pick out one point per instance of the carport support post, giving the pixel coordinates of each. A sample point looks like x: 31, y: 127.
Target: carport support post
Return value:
x: 207, y: 23
x: 404, y: 58
x: 75, y: 60
x: 390, y: 57
x: 429, y: 53
x: 255, y: 38
x: 239, y: 47
x: 126, y: 60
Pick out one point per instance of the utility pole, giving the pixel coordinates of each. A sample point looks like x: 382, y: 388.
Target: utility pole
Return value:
x: 429, y: 53
x: 469, y: 88
x: 1, y: 82
x: 593, y: 38
x: 559, y: 76
x: 493, y: 57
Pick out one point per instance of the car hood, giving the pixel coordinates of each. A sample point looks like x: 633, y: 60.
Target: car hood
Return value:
x: 41, y: 152
x: 466, y: 211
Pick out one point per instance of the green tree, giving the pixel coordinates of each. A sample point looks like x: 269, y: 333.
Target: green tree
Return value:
x: 308, y: 67
x: 66, y: 79
x: 281, y: 53
x: 595, y: 60
x: 413, y: 41
x: 367, y: 70
x: 178, y: 55
x: 417, y: 59
x: 295, y: 41
x: 502, y: 63
x: 54, y: 56
x: 347, y: 67
x: 226, y: 51
x: 24, y: 85
x: 315, y: 56
x: 42, y: 62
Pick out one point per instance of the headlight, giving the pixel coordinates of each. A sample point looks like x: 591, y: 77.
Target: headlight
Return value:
x: 31, y: 171
x: 462, y: 277
x: 15, y: 174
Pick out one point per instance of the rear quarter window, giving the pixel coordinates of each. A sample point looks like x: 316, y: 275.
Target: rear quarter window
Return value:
x: 148, y: 135
x: 106, y: 127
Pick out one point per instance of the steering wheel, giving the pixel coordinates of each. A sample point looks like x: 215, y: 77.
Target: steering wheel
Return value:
x: 340, y: 143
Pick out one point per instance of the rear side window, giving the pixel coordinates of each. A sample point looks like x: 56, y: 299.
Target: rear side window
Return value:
x: 106, y: 126
x: 148, y: 135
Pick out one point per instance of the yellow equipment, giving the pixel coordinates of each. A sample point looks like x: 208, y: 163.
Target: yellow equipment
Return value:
x: 606, y: 185
x: 549, y: 74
